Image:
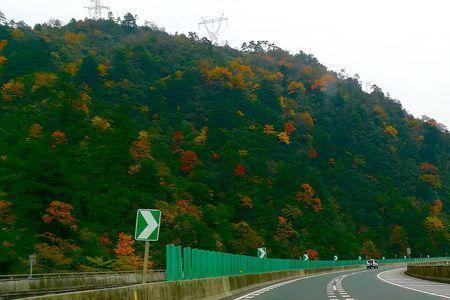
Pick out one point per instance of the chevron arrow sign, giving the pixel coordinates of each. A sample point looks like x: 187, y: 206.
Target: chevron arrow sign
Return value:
x: 262, y: 252
x: 147, y: 225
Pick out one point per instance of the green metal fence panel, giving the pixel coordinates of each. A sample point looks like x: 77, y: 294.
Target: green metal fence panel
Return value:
x: 169, y: 263
x: 187, y: 263
x: 173, y: 263
x: 196, y: 263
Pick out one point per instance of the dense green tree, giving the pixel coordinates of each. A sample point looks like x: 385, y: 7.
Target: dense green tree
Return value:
x: 239, y: 149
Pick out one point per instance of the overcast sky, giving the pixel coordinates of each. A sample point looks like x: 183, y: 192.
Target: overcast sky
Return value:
x: 402, y: 46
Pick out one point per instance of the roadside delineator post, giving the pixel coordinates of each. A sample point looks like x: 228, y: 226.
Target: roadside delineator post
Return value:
x: 32, y: 260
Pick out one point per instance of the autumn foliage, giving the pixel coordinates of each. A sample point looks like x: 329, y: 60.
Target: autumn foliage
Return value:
x: 35, y: 131
x: 12, y: 90
x: 322, y: 83
x: 126, y: 257
x: 313, y: 153
x: 269, y: 129
x: 430, y: 175
x: 44, y: 79
x: 226, y: 77
x: 426, y: 167
x: 391, y: 130
x: 283, y: 136
x: 140, y: 148
x: 125, y: 245
x: 3, y: 44
x: 247, y: 202
x: 188, y: 161
x: 105, y: 118
x: 307, y: 196
x: 289, y: 127
x: 294, y: 87
x: 178, y: 137
x: 5, y: 214
x: 312, y: 254
x: 306, y: 119
x: 74, y: 38
x: 58, y: 138
x: 239, y: 170
x: 436, y: 208
x: 201, y: 138
x: 83, y: 102
x: 60, y: 212
x: 100, y: 124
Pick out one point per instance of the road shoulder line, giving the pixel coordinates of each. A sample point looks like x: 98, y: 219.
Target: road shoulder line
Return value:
x: 406, y: 287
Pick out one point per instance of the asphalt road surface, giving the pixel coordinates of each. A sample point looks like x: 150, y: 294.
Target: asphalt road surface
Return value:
x: 382, y: 284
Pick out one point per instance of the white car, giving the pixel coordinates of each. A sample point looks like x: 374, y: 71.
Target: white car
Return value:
x: 372, y: 264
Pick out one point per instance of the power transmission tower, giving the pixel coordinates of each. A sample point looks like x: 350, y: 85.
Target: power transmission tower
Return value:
x: 96, y: 9
x: 213, y: 27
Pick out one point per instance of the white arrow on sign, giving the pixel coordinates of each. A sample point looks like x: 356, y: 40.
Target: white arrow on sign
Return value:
x: 262, y: 252
x: 305, y: 256
x: 151, y: 224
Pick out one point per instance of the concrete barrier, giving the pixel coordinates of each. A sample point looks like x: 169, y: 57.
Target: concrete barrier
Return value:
x: 433, y: 272
x: 78, y: 280
x: 208, y: 288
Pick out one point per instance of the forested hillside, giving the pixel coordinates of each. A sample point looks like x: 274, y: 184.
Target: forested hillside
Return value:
x: 238, y: 148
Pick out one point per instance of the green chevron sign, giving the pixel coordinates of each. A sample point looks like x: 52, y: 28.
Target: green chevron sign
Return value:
x: 262, y: 252
x: 147, y: 225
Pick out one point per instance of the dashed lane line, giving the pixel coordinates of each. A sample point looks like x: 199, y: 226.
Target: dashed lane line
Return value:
x: 277, y: 285
x: 335, y: 291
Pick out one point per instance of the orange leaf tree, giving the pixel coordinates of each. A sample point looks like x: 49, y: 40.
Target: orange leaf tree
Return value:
x: 306, y: 195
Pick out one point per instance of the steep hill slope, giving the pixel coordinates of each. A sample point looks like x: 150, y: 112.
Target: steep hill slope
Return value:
x: 238, y: 149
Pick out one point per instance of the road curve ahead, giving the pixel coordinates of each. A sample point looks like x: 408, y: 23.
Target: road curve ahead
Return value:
x: 385, y: 283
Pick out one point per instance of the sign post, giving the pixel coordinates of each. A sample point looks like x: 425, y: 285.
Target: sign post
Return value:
x: 148, y: 222
x: 262, y: 252
x: 32, y: 260
x: 408, y: 251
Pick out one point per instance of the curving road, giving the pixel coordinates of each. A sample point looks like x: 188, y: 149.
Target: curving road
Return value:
x: 385, y: 283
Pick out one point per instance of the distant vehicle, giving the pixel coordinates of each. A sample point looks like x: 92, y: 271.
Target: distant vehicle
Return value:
x: 372, y: 264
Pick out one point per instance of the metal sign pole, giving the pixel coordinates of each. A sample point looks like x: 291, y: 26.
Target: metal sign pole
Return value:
x: 144, y: 272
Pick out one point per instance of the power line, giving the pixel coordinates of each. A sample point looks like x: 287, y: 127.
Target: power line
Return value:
x: 96, y: 9
x: 213, y: 27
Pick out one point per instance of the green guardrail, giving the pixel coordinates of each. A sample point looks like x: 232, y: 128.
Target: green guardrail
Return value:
x: 187, y: 263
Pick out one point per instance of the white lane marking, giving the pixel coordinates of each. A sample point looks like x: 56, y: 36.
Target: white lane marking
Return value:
x: 274, y: 286
x: 406, y: 287
x: 337, y: 285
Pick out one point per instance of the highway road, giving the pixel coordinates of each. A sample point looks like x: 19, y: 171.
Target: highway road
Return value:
x: 383, y: 284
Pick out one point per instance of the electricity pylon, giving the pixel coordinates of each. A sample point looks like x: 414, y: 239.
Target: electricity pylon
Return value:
x: 213, y: 27
x: 96, y: 9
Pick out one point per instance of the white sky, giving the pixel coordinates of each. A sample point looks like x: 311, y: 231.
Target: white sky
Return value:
x: 402, y: 46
